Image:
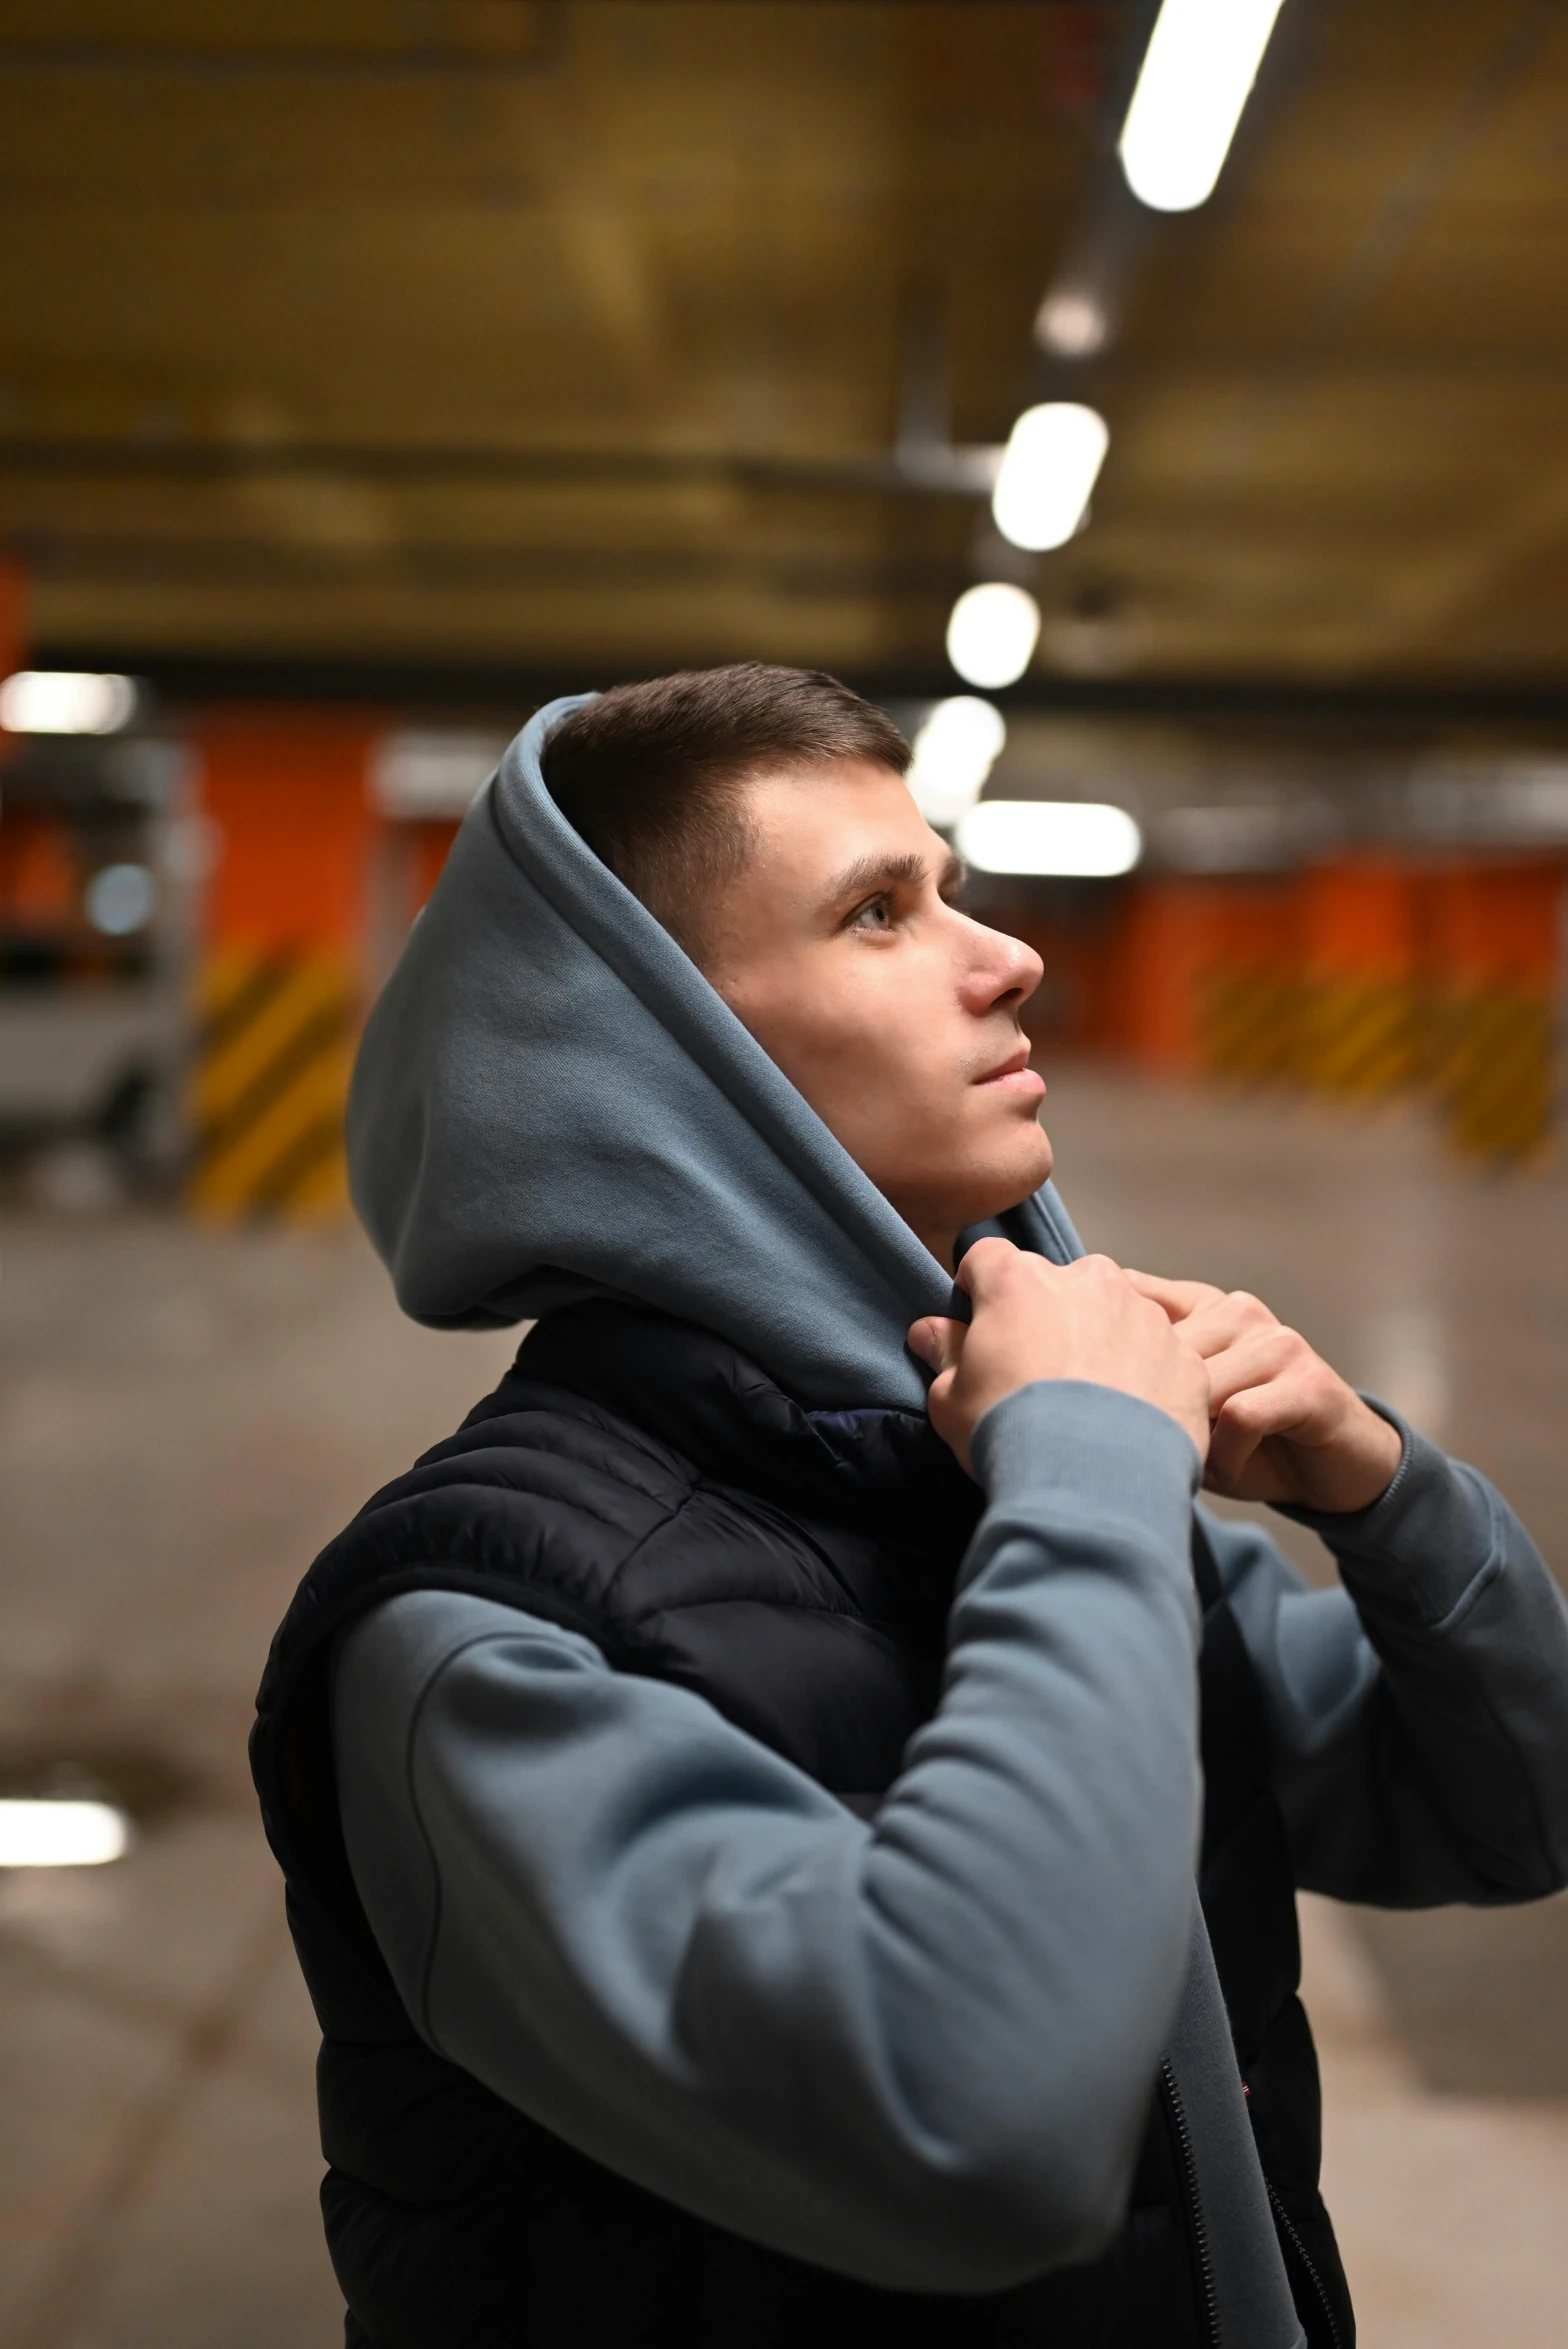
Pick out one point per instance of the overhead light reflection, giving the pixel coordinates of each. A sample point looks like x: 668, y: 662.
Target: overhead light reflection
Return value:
x: 954, y: 751
x: 1201, y: 62
x: 66, y: 701
x: 992, y: 633
x: 1053, y: 459
x: 1072, y: 324
x: 1080, y: 839
x: 60, y: 1834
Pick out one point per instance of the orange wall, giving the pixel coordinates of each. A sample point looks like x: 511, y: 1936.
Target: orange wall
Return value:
x: 1136, y: 978
x: 39, y: 881
x: 1130, y: 974
x: 286, y: 791
x: 1360, y: 918
x: 1498, y: 924
x: 13, y: 618
x: 431, y: 840
x: 1173, y: 935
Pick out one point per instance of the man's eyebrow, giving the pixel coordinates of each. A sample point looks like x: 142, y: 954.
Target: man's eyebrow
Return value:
x: 873, y: 872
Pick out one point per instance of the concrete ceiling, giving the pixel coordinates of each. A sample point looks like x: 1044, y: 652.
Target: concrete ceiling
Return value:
x: 577, y: 336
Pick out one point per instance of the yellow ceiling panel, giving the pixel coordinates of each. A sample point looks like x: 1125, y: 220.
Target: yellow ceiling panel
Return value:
x: 579, y: 333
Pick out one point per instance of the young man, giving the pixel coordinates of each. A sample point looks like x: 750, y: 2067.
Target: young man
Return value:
x: 772, y: 1848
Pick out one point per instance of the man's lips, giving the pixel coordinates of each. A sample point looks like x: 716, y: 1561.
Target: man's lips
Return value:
x: 1014, y: 1075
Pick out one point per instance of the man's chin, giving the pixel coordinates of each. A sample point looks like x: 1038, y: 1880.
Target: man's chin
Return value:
x: 1019, y: 1174
x: 1032, y: 1160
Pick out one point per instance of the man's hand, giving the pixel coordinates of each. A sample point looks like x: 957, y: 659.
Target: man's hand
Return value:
x: 1284, y: 1426
x: 1038, y: 1320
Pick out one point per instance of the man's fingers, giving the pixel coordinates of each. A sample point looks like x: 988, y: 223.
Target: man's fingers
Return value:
x: 937, y: 1341
x: 1270, y: 1385
x: 984, y: 1265
x: 1209, y: 1318
x: 1233, y: 1439
x: 1266, y: 1390
x: 1272, y: 1362
x: 1177, y: 1298
x: 1233, y: 1319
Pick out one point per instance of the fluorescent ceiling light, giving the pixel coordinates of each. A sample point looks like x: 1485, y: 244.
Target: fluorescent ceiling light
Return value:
x: 1226, y: 839
x: 1515, y: 801
x: 419, y: 776
x: 955, y: 750
x: 1071, y: 323
x: 1535, y: 804
x: 1052, y: 460
x: 1082, y: 838
x: 51, y: 1834
x: 65, y: 701
x: 992, y: 633
x: 1201, y: 62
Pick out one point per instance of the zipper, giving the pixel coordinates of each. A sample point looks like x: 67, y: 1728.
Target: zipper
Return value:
x: 1195, y: 2217
x: 1282, y: 2220
x: 1200, y: 2232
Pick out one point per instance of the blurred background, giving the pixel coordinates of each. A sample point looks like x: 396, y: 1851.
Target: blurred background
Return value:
x: 1167, y: 422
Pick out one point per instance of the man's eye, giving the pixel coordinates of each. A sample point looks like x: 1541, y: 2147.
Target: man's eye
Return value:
x: 878, y: 915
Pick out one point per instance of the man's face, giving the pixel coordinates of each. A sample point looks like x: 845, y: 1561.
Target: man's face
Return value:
x: 896, y: 1016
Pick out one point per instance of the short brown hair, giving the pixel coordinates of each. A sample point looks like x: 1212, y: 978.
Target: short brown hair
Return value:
x: 650, y: 774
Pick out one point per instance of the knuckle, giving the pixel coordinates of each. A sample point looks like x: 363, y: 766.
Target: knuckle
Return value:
x: 986, y: 1263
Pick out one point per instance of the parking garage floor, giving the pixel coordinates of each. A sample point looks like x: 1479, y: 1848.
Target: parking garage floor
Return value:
x: 186, y: 1415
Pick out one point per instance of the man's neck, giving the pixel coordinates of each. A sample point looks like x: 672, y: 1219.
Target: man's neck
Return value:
x: 941, y: 1244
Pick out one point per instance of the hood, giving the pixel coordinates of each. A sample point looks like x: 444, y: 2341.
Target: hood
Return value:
x: 550, y: 1102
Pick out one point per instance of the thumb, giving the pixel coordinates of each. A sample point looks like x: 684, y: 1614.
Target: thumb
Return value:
x: 937, y: 1341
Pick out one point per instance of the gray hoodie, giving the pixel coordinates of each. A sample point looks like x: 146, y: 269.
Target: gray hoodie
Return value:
x: 919, y: 2050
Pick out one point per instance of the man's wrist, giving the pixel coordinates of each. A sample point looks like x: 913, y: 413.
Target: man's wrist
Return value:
x: 1067, y: 1442
x: 1426, y: 1537
x: 1382, y: 1477
x: 1374, y: 1452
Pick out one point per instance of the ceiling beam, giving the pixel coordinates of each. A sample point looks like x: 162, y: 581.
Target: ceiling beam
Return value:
x: 70, y: 457
x: 1394, y: 704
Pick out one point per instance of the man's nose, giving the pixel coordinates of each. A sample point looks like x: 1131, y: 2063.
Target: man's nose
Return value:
x: 1004, y: 971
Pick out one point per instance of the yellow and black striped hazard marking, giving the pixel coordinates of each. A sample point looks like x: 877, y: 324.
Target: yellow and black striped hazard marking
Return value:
x: 274, y: 1047
x: 1250, y: 1024
x: 1497, y: 1073
x: 1361, y: 1038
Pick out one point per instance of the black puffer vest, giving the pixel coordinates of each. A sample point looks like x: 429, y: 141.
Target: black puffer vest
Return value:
x: 636, y: 1479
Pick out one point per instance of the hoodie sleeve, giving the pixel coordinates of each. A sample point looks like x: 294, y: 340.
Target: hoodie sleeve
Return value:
x: 1420, y: 1711
x: 918, y: 2051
